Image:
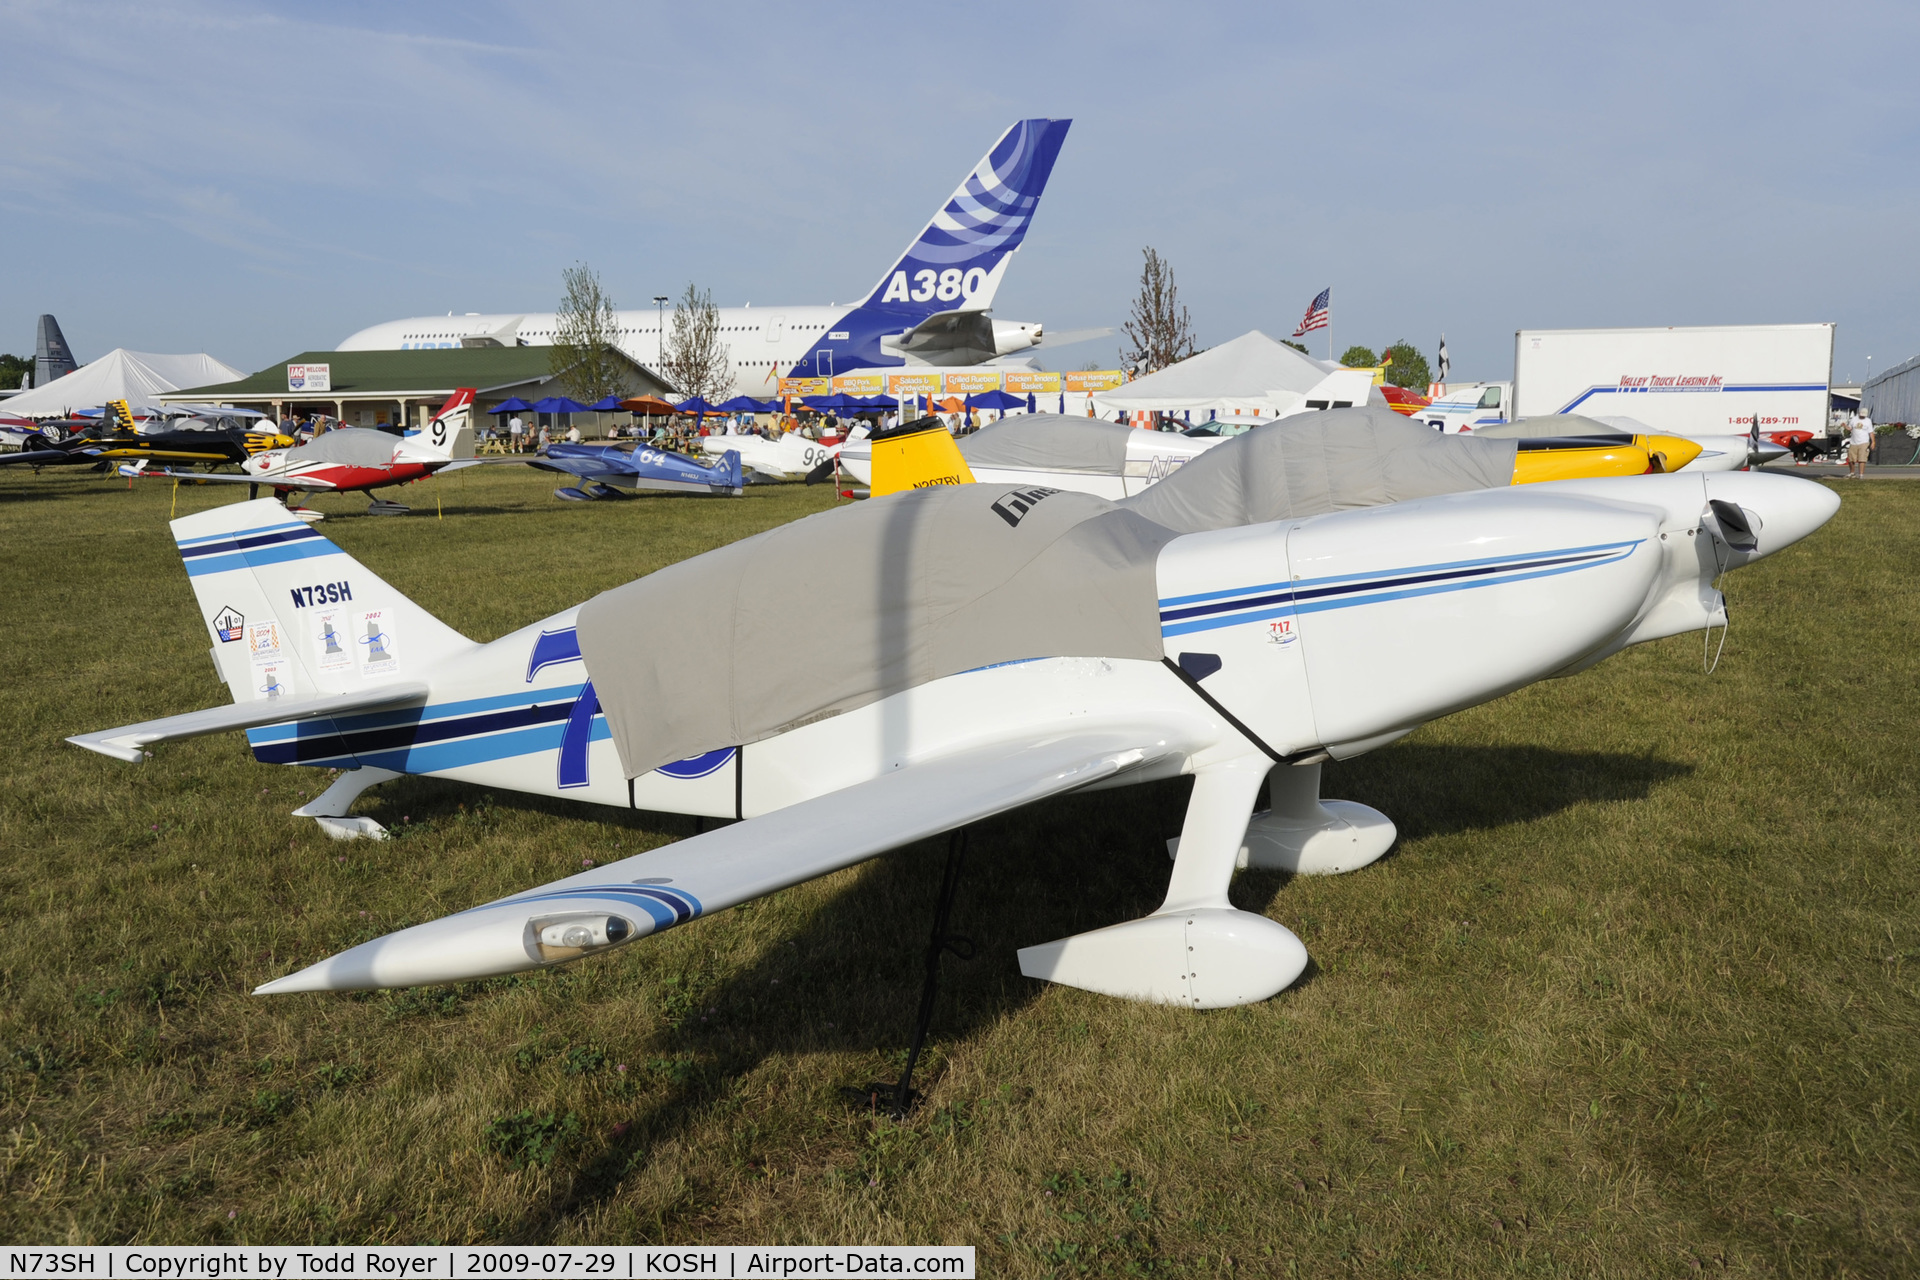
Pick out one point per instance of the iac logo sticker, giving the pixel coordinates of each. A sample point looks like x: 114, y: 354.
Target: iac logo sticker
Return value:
x: 1013, y: 507
x: 229, y: 624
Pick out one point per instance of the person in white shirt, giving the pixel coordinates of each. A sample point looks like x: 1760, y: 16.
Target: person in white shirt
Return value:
x: 1859, y: 444
x: 516, y: 430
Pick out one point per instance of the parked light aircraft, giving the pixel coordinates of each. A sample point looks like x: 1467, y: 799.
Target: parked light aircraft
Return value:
x: 1067, y: 451
x: 118, y: 438
x: 931, y: 307
x: 997, y: 645
x: 1112, y: 460
x: 789, y: 456
x: 604, y: 469
x: 360, y: 460
x: 1711, y: 453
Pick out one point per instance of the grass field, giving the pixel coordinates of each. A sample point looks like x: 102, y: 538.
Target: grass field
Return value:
x: 1634, y: 995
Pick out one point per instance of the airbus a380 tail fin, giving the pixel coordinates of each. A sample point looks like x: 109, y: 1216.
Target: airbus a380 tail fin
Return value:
x: 957, y: 261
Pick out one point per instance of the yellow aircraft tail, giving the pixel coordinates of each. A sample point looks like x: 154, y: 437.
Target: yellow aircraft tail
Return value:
x: 122, y: 416
x: 916, y: 455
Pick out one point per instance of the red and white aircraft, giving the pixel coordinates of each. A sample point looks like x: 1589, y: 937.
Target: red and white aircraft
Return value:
x: 359, y: 460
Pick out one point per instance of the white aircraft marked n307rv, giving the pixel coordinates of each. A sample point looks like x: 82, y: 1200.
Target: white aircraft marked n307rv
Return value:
x: 998, y: 645
x: 931, y: 307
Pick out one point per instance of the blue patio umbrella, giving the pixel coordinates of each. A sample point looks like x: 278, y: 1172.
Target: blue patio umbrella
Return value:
x: 741, y: 404
x: 1033, y: 405
x: 828, y: 404
x: 1063, y: 404
x: 696, y: 405
x: 995, y: 400
x: 882, y: 402
x: 515, y: 405
x: 605, y: 404
x: 558, y: 404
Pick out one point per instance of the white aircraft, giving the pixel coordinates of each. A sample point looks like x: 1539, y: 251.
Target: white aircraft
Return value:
x: 997, y: 645
x: 930, y: 308
x: 1086, y: 455
x: 355, y: 460
x: 790, y: 456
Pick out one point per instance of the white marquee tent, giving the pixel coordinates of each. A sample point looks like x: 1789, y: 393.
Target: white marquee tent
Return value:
x: 1251, y: 375
x: 134, y: 376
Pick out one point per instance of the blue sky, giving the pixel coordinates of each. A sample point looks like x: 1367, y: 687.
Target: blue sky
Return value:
x: 256, y: 180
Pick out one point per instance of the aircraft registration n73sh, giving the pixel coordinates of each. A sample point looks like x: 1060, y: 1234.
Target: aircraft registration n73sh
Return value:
x: 997, y: 645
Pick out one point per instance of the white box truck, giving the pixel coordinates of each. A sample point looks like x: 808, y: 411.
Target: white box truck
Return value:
x: 1706, y: 380
x: 1709, y: 380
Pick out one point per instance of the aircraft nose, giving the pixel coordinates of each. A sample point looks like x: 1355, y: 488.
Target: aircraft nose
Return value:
x: 1789, y: 508
x: 1670, y: 453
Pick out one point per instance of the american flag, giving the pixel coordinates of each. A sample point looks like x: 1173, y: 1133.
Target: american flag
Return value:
x: 1316, y: 314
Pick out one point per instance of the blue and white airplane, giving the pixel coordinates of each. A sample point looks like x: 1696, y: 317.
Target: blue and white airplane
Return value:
x: 932, y: 307
x: 603, y: 469
x: 1075, y: 646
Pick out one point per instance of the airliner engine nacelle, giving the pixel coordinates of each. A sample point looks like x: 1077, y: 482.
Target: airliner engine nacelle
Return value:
x: 1013, y: 336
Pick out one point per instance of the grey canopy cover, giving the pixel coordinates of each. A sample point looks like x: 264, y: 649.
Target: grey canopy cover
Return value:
x: 350, y: 446
x: 1320, y: 462
x: 1050, y: 442
x: 769, y: 633
x: 1549, y: 426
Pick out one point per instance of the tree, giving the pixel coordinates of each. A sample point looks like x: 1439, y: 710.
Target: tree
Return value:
x: 1408, y: 368
x: 1301, y: 347
x: 13, y: 369
x: 1359, y: 358
x: 1159, y: 332
x: 696, y: 360
x: 584, y: 355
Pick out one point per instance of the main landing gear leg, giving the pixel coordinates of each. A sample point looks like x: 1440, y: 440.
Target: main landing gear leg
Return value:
x: 1196, y: 950
x: 1309, y: 836
x: 899, y: 1098
x: 329, y: 808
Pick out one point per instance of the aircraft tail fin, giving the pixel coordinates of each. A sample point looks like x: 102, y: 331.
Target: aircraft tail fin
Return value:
x: 293, y: 616
x: 450, y: 433
x: 916, y: 455
x: 959, y: 258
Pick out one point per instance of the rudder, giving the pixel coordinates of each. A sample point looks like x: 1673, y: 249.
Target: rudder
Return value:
x: 291, y: 615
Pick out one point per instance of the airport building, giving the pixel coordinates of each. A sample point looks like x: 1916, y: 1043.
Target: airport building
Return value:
x: 388, y: 388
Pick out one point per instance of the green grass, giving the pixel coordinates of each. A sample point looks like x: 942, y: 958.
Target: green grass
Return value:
x: 1635, y: 994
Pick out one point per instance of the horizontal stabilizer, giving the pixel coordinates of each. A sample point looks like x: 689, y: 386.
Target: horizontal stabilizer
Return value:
x: 128, y: 742
x: 653, y: 891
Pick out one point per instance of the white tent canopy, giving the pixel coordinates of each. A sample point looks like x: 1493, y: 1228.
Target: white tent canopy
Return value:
x: 1251, y: 374
x: 134, y: 376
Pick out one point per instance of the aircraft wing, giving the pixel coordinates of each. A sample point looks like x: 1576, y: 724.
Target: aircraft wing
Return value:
x: 1068, y: 337
x: 460, y: 464
x: 42, y: 458
x: 584, y: 468
x: 652, y: 892
x: 265, y: 482
x: 127, y: 742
